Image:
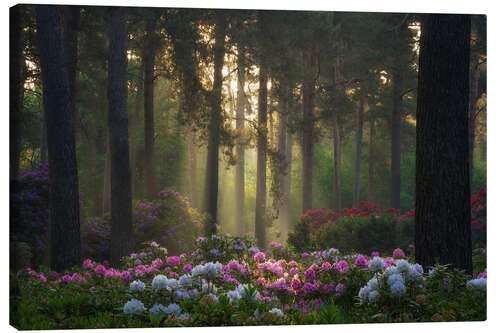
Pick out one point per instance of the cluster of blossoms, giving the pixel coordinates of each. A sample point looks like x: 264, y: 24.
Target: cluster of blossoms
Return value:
x: 393, y: 281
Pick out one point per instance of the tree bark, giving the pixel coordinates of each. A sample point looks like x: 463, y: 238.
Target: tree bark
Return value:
x: 337, y: 142
x: 71, y: 21
x: 64, y: 195
x: 106, y: 193
x: 261, y: 191
x: 121, y: 198
x: 310, y: 62
x: 193, y: 168
x: 149, y: 132
x: 359, y: 141
x: 284, y: 147
x: 396, y: 134
x: 43, y: 137
x: 16, y: 90
x: 240, y: 147
x: 474, y: 95
x: 134, y: 126
x: 442, y: 215
x: 371, y: 161
x: 212, y: 170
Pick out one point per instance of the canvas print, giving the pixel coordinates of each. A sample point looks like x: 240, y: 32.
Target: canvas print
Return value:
x: 174, y: 167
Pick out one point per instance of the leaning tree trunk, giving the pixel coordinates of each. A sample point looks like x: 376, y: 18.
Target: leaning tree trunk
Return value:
x: 149, y: 131
x: 310, y: 61
x: 212, y: 169
x: 359, y: 141
x: 64, y: 195
x: 442, y: 215
x: 240, y: 147
x: 121, y: 198
x: 261, y: 191
x: 16, y: 89
x: 371, y: 161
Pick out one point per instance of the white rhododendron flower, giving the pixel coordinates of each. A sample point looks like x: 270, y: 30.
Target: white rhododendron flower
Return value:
x: 133, y: 307
x: 377, y: 264
x: 277, y: 312
x: 477, y: 284
x: 137, y: 285
x: 159, y: 282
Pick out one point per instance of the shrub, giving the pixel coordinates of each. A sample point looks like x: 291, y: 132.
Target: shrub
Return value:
x: 168, y: 220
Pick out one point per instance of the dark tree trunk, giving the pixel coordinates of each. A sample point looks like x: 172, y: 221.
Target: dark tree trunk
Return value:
x: 106, y: 192
x: 193, y: 168
x: 43, y: 137
x: 149, y: 131
x: 261, y: 191
x: 64, y: 195
x: 134, y: 126
x: 474, y: 88
x: 212, y: 170
x: 16, y: 90
x: 396, y: 135
x: 310, y: 61
x: 371, y: 161
x: 442, y: 216
x: 240, y: 147
x: 71, y: 21
x: 359, y: 141
x: 121, y: 198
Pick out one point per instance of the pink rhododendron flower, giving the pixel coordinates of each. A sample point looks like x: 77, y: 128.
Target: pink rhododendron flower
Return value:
x: 326, y: 266
x: 361, y: 261
x: 294, y: 271
x: 100, y: 269
x: 341, y: 266
x: 305, y: 255
x: 375, y: 254
x: 87, y: 263
x: 309, y: 274
x: 398, y: 253
x: 187, y: 268
x: 259, y: 256
x: 173, y: 261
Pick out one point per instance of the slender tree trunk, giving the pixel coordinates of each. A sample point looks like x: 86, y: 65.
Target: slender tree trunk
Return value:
x: 71, y: 21
x: 16, y: 90
x: 396, y: 135
x: 240, y: 147
x: 310, y: 61
x: 193, y: 169
x: 337, y: 197
x: 442, y: 215
x: 212, y: 169
x: 106, y: 193
x: 134, y: 126
x: 359, y: 141
x: 149, y: 131
x: 474, y: 88
x: 287, y: 179
x: 64, y: 195
x: 284, y: 142
x: 371, y: 161
x: 121, y: 197
x: 261, y: 191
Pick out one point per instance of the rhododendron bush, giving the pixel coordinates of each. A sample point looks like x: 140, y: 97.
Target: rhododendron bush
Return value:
x: 247, y: 286
x: 366, y: 228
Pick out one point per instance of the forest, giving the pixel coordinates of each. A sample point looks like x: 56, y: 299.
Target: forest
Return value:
x: 217, y: 167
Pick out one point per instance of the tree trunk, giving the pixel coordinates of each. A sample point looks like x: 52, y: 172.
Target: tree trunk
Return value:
x: 310, y: 61
x: 134, y: 126
x: 71, y: 21
x: 212, y: 169
x: 442, y: 215
x: 149, y: 131
x: 474, y: 88
x: 371, y: 161
x: 43, y: 137
x: 240, y: 147
x: 359, y: 141
x: 16, y: 90
x: 284, y: 145
x: 337, y: 197
x: 193, y: 168
x: 396, y: 135
x: 121, y: 198
x: 261, y: 191
x: 64, y: 195
x: 106, y: 193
